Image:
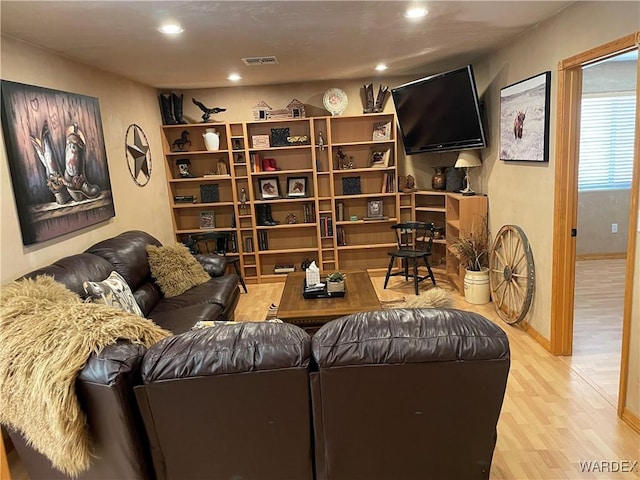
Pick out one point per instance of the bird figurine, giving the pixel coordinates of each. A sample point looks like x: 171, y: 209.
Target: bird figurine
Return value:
x: 207, y: 111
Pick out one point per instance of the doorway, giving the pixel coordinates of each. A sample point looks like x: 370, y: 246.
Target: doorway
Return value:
x: 570, y: 92
x: 606, y: 136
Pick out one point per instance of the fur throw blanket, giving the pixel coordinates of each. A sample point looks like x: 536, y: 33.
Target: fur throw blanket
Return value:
x: 46, y: 337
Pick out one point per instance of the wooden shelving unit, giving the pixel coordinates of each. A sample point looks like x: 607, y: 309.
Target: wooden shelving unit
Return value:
x: 456, y: 214
x: 349, y: 243
x: 360, y: 245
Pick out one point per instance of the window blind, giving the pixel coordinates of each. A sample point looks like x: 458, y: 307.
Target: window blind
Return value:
x: 607, y: 126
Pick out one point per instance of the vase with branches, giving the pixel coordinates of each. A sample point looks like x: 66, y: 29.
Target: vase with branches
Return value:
x: 472, y: 247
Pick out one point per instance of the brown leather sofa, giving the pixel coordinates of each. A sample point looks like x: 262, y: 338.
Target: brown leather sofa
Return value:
x: 229, y: 403
x: 394, y: 394
x: 127, y: 255
x: 407, y: 394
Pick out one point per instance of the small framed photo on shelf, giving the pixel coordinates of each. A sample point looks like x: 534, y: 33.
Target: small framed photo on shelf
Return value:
x: 296, y: 187
x: 269, y: 188
x: 374, y: 208
x: 379, y: 158
x: 382, y: 131
x: 207, y: 219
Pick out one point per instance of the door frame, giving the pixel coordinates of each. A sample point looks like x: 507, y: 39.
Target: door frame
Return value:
x: 566, y: 202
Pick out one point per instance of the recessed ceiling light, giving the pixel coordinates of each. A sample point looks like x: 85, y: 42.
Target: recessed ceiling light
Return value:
x: 171, y: 28
x: 234, y: 77
x: 380, y: 67
x: 416, y: 12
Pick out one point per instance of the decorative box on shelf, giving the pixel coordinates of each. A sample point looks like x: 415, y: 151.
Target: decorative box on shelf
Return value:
x: 260, y: 141
x: 284, y: 269
x: 184, y: 199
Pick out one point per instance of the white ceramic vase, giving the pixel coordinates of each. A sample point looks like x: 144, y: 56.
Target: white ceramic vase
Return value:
x: 476, y: 287
x: 211, y: 139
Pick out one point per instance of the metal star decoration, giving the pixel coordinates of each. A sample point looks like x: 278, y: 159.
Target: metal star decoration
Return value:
x: 139, y: 155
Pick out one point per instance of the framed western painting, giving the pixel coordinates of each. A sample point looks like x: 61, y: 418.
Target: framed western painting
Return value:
x: 57, y: 159
x: 524, y: 119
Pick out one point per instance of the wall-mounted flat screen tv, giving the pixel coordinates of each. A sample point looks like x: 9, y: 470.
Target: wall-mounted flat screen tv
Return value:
x: 440, y: 112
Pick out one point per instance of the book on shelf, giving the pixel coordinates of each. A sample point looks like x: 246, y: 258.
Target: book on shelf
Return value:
x: 284, y: 269
x: 309, y: 213
x: 372, y: 219
x: 263, y: 240
x: 391, y: 183
x: 326, y: 226
x: 340, y: 211
x: 256, y: 162
x: 385, y: 182
x: 248, y: 245
x: 342, y: 237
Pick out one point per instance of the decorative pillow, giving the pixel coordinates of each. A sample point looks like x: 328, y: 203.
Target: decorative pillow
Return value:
x: 175, y: 269
x: 114, y: 292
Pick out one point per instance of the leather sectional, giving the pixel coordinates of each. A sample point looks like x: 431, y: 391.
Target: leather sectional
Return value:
x: 392, y: 394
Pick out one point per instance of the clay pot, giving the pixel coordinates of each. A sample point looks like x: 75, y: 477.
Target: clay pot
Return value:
x: 438, y: 181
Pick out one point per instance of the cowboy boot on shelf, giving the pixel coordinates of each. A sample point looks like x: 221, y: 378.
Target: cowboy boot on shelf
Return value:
x: 261, y: 212
x: 381, y: 98
x: 368, y: 98
x: 269, y: 217
x: 55, y: 182
x: 177, y: 109
x: 77, y: 185
x: 166, y: 108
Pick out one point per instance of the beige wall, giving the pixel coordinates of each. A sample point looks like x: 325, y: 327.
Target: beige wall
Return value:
x: 122, y: 102
x: 522, y: 193
x: 597, y: 210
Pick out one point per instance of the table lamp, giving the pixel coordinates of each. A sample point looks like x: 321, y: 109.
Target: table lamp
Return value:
x: 468, y: 159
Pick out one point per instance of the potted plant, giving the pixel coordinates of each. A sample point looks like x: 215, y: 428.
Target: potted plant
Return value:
x: 473, y: 252
x: 335, y: 282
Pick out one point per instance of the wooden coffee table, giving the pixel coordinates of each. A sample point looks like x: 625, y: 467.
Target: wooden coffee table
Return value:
x: 360, y: 296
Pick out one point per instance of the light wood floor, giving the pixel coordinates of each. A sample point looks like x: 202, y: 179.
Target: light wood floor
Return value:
x: 551, y: 419
x: 597, y: 324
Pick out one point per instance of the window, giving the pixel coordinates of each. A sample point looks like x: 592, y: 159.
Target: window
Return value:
x: 606, y: 141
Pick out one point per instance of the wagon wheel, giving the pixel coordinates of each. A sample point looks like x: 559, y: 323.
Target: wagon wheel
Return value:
x: 511, y: 274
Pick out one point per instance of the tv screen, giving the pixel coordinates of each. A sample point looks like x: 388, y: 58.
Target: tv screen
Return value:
x: 440, y: 112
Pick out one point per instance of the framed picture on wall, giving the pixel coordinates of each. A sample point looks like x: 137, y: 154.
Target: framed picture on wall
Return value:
x: 524, y: 119
x: 57, y: 159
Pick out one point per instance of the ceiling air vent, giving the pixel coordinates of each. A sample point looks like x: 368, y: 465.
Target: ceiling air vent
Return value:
x: 251, y: 61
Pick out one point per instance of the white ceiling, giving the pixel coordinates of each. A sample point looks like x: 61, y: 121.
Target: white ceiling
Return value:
x: 313, y: 40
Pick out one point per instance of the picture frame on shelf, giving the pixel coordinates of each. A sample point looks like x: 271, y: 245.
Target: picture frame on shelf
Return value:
x: 375, y: 209
x: 269, y: 188
x: 207, y: 220
x: 382, y: 131
x: 297, y: 187
x: 351, y: 186
x: 524, y: 119
x: 209, y: 193
x: 379, y: 157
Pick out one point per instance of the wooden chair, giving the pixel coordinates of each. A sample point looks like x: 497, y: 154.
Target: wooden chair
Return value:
x: 415, y: 240
x: 218, y: 243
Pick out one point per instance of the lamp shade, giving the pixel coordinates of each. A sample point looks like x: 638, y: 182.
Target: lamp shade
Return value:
x: 468, y: 158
